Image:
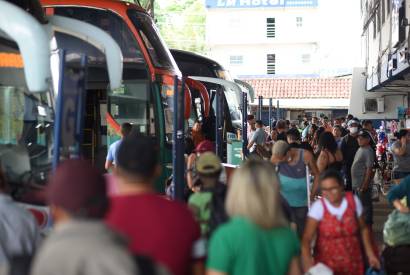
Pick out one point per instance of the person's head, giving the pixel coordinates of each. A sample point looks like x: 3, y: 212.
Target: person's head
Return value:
x: 368, y: 125
x: 254, y: 194
x: 325, y: 119
x: 76, y: 190
x: 312, y: 130
x: 327, y: 142
x: 332, y: 186
x: 251, y: 121
x: 349, y: 117
x: 305, y: 117
x: 126, y: 129
x: 197, y: 127
x: 404, y: 133
x: 280, y: 150
x: 353, y: 126
x: 363, y: 138
x: 337, y: 121
x: 259, y: 124
x: 204, y: 146
x: 281, y: 126
x: 274, y: 134
x: 337, y: 131
x: 208, y: 167
x: 305, y: 124
x: 317, y: 134
x: 137, y: 159
x: 293, y: 136
x: 315, y: 120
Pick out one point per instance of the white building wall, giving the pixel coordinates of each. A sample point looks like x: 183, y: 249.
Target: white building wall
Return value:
x: 329, y: 35
x: 392, y: 100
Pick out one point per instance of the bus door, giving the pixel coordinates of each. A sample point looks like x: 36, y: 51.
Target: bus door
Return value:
x: 82, y: 90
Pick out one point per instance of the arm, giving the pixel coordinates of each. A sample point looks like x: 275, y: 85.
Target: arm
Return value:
x: 401, y: 207
x: 365, y: 234
x: 310, y: 161
x: 310, y: 231
x: 190, y: 166
x: 366, y: 181
x: 108, y: 164
x: 322, y: 161
x: 400, y: 150
x: 250, y: 144
x: 294, y: 267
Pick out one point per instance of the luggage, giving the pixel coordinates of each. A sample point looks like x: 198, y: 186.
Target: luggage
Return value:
x: 396, y: 259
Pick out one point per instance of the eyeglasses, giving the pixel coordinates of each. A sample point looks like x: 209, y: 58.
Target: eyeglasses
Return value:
x: 334, y: 189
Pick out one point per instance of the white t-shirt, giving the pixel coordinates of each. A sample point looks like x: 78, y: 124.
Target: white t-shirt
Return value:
x: 317, y: 211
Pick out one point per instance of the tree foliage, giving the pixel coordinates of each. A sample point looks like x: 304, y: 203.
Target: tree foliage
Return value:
x: 182, y: 23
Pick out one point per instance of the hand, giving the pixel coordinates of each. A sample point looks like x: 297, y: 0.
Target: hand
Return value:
x: 404, y: 210
x: 308, y: 263
x: 374, y: 262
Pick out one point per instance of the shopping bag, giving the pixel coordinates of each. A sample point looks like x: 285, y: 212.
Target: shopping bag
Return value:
x: 319, y: 269
x: 396, y: 230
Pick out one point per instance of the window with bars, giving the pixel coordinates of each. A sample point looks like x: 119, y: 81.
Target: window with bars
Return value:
x: 270, y: 28
x: 299, y: 22
x: 236, y: 59
x: 271, y: 63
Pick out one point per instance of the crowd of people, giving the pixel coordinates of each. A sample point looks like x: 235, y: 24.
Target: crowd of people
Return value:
x: 314, y: 188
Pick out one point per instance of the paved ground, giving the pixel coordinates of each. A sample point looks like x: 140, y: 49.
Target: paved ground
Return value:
x: 381, y: 210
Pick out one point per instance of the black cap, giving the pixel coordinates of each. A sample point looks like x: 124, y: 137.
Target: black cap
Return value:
x: 364, y: 134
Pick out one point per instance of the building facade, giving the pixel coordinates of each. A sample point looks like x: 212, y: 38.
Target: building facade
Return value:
x: 282, y: 38
x: 380, y: 88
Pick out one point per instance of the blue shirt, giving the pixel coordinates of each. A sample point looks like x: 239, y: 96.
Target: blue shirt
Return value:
x: 112, y: 151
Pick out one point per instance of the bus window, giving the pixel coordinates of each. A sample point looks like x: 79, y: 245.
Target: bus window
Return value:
x: 158, y: 52
x: 112, y: 24
x: 132, y: 103
x: 26, y: 119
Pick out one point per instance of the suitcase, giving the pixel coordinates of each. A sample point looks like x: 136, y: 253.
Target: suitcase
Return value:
x: 397, y: 260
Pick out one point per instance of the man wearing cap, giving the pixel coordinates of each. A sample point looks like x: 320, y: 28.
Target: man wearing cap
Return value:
x: 401, y: 155
x: 291, y: 165
x: 208, y: 205
x: 112, y: 150
x: 349, y: 147
x: 162, y: 229
x: 81, y: 243
x: 362, y: 174
x: 192, y: 177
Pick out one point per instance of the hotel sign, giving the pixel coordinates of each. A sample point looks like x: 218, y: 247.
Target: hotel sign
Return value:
x: 260, y: 3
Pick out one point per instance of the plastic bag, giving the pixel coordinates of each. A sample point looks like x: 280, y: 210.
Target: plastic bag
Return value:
x: 319, y: 269
x: 396, y: 230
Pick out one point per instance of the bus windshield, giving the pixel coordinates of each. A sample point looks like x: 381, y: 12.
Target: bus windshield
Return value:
x: 26, y: 121
x: 159, y: 53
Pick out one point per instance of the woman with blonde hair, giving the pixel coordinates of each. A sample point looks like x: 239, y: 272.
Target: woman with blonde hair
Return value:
x: 257, y: 239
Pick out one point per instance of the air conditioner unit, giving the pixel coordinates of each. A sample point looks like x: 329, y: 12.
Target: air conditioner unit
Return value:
x: 373, y: 105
